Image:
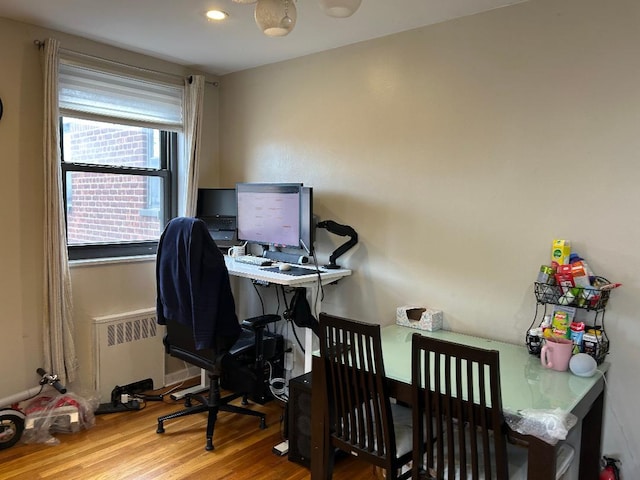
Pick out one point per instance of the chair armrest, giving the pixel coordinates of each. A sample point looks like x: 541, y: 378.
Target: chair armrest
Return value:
x: 260, y: 322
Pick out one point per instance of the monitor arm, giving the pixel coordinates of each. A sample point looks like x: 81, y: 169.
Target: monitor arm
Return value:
x: 343, y: 231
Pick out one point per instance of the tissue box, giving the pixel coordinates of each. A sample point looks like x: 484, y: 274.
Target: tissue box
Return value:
x: 419, y: 317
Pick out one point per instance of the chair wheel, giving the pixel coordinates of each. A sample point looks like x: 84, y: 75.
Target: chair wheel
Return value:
x: 263, y: 424
x: 187, y: 402
x: 160, y: 428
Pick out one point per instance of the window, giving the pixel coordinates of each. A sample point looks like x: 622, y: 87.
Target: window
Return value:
x: 119, y: 139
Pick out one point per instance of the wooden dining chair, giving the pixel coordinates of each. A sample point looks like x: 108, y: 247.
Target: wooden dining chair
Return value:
x: 459, y: 406
x: 362, y: 419
x: 458, y: 423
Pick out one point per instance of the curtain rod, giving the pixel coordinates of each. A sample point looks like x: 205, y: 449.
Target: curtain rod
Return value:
x: 40, y: 45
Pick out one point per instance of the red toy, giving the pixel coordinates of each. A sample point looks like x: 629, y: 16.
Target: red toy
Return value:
x: 12, y: 419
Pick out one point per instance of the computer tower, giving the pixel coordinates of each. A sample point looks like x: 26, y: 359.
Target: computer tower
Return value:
x: 299, y: 416
x: 239, y: 372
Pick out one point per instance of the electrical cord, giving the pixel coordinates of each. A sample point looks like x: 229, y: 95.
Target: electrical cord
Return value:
x: 295, y: 334
x: 320, y: 287
x: 280, y: 392
x: 255, y: 287
x: 35, y: 395
x: 278, y: 306
x: 294, y: 330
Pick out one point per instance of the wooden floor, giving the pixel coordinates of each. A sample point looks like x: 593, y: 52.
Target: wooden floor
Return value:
x: 126, y: 446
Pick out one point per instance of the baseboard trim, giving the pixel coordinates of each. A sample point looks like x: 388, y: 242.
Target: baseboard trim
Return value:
x: 181, y: 375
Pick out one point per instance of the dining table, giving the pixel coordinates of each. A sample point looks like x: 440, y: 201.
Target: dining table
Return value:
x: 526, y: 387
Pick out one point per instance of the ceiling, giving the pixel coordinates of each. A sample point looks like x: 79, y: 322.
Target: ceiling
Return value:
x: 178, y: 31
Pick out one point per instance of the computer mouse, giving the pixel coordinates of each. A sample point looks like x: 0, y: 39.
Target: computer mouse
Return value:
x: 283, y: 267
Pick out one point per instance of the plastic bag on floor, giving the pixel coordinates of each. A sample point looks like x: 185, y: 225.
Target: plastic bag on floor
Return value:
x: 64, y: 413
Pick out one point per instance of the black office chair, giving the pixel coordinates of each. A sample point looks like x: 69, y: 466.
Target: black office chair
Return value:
x: 362, y: 419
x: 196, y: 304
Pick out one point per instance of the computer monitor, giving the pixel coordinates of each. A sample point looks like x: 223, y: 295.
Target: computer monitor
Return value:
x: 216, y: 202
x: 271, y: 214
x: 217, y: 208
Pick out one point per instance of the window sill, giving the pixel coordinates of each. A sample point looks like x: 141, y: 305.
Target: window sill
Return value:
x: 89, y: 262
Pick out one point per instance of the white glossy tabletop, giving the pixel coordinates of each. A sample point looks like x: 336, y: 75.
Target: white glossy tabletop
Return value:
x: 525, y: 383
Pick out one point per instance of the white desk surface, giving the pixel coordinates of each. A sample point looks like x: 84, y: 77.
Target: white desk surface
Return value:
x: 255, y: 272
x: 525, y: 383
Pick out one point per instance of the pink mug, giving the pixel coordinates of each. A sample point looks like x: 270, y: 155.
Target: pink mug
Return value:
x: 556, y: 353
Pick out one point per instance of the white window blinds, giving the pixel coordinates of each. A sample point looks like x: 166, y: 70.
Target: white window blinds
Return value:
x: 94, y: 94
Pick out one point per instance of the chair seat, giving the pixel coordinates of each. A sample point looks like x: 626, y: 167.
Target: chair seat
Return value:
x: 402, y: 422
x: 518, y: 464
x: 245, y: 341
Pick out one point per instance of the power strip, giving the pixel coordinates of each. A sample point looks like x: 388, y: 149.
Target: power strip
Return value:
x: 131, y: 405
x: 118, y: 394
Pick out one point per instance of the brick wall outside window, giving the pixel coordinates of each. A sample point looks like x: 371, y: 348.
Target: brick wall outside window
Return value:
x: 107, y: 207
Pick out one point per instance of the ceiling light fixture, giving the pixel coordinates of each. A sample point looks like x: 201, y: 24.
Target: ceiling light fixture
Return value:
x: 276, y: 18
x: 216, y: 15
x: 340, y: 8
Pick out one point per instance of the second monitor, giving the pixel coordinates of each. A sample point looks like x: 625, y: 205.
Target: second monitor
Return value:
x: 217, y: 207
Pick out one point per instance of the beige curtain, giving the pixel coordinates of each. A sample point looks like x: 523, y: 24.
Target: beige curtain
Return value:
x: 193, y: 104
x: 58, y: 328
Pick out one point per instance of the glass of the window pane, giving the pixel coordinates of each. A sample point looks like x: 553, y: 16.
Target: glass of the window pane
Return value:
x: 100, y: 143
x: 113, y: 208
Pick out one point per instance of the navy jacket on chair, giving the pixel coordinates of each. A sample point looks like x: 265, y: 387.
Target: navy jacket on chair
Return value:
x: 190, y: 266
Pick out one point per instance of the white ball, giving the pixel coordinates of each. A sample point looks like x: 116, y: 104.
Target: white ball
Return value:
x: 566, y: 299
x: 583, y: 365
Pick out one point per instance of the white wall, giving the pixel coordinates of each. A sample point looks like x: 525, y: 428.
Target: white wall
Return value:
x: 21, y: 248
x: 458, y: 152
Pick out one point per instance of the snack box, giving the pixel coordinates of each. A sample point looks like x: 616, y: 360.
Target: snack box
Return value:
x: 561, y: 320
x: 560, y: 252
x: 580, y: 274
x: 564, y: 278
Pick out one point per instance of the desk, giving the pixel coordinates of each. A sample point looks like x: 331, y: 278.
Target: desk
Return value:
x: 525, y: 385
x: 261, y: 274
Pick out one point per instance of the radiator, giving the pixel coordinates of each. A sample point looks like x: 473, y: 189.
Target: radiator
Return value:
x: 128, y: 348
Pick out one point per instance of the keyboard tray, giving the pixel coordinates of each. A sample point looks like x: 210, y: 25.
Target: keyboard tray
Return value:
x: 295, y: 271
